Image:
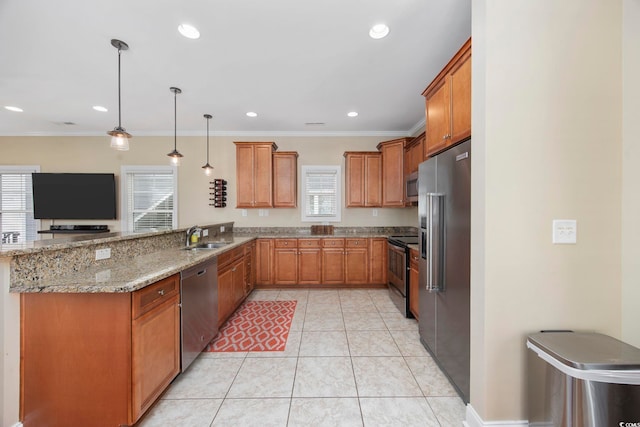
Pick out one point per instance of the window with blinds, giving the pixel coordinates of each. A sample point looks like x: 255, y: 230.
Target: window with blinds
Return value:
x: 149, y: 198
x: 17, y: 224
x: 321, y: 193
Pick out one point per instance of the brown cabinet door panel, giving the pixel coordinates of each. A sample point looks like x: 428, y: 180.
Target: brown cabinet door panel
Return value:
x: 285, y: 266
x: 309, y: 266
x: 438, y: 118
x: 264, y: 262
x: 356, y: 265
x: 285, y: 172
x: 245, y: 176
x: 333, y: 265
x: 373, y: 180
x: 378, y: 261
x: 263, y: 176
x: 461, y: 100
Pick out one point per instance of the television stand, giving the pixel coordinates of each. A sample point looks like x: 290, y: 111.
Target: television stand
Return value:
x: 75, y: 229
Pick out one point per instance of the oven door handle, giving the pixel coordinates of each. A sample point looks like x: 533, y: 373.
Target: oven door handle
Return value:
x: 435, y: 242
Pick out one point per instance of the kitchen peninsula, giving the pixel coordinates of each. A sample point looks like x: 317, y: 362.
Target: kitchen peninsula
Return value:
x: 101, y: 338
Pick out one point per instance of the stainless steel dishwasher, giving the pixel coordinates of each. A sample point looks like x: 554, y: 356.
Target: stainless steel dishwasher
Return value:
x: 199, y: 292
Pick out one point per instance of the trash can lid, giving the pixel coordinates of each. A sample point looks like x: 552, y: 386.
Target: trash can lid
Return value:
x: 588, y: 350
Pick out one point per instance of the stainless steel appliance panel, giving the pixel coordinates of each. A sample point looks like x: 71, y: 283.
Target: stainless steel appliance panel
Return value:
x: 444, y: 213
x: 199, y: 300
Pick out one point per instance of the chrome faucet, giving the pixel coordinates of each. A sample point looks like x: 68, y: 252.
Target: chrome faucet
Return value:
x: 190, y: 232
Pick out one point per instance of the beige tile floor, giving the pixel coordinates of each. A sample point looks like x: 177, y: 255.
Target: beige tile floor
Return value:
x: 351, y: 360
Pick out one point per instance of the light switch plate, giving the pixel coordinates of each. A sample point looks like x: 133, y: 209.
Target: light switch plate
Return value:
x: 244, y: 212
x: 565, y: 232
x: 374, y: 212
x: 205, y: 232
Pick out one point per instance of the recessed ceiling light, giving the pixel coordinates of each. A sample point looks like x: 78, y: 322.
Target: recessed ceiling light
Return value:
x: 100, y: 108
x: 352, y: 114
x: 16, y: 109
x: 252, y: 114
x: 189, y: 31
x: 378, y: 31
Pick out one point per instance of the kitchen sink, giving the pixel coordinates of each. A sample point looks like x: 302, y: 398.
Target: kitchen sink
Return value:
x: 210, y: 245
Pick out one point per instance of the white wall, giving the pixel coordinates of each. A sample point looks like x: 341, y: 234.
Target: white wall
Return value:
x: 92, y: 154
x: 631, y: 172
x: 547, y: 111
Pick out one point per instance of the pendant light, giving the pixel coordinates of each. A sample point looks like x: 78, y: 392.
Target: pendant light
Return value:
x: 175, y: 154
x: 207, y: 168
x: 119, y: 136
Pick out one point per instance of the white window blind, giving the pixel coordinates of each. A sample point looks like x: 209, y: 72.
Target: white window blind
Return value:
x: 149, y: 198
x: 321, y: 193
x: 17, y: 224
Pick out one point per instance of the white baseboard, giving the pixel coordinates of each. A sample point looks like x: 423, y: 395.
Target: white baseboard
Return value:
x: 474, y: 420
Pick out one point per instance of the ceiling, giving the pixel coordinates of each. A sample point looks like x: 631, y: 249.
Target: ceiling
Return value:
x: 293, y: 62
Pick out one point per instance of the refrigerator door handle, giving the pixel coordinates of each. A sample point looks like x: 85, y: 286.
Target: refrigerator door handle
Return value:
x: 435, y: 242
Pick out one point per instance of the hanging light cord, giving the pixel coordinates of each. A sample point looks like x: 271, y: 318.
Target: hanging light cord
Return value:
x: 119, y: 102
x: 175, y: 121
x: 207, y: 140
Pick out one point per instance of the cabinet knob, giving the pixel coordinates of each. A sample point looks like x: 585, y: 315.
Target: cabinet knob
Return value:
x: 161, y: 292
x: 357, y: 243
x: 286, y: 243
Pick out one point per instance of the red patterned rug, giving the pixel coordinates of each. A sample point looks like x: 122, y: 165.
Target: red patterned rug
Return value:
x: 256, y: 326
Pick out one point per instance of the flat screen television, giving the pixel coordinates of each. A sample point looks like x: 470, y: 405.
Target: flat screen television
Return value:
x: 74, y: 196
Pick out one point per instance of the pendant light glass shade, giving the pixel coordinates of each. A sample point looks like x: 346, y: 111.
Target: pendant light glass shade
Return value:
x: 208, y: 169
x: 119, y: 136
x: 175, y: 154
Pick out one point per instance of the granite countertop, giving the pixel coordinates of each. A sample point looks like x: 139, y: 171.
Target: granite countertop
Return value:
x: 142, y: 270
x: 128, y: 277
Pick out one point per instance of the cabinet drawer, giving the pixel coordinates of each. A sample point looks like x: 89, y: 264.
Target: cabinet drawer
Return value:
x: 308, y: 243
x: 230, y: 255
x: 332, y: 243
x: 286, y: 243
x: 356, y: 243
x: 150, y: 297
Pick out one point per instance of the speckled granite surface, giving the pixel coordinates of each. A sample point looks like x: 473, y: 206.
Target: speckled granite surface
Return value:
x: 69, y: 265
x: 136, y: 273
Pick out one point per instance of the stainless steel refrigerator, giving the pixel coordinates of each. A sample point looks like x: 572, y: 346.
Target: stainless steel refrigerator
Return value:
x: 444, y: 204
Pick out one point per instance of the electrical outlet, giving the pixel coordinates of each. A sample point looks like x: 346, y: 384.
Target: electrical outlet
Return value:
x: 205, y: 232
x: 244, y: 212
x: 103, y: 276
x: 374, y: 212
x: 222, y: 228
x: 103, y: 254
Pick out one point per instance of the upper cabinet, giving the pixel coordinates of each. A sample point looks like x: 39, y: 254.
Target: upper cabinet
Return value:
x: 363, y: 179
x: 265, y: 178
x: 285, y: 172
x: 393, y: 172
x: 414, y: 154
x: 448, y: 103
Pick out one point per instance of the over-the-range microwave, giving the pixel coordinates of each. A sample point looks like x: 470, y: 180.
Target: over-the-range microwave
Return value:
x: 411, y: 187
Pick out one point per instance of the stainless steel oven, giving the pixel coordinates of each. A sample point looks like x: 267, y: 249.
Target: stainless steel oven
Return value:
x: 398, y: 271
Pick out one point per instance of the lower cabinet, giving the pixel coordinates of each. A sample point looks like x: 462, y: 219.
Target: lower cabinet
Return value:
x: 89, y: 357
x: 249, y: 267
x: 309, y: 262
x: 317, y: 261
x: 356, y: 261
x: 414, y: 282
x: 231, y: 282
x: 285, y: 262
x: 333, y: 261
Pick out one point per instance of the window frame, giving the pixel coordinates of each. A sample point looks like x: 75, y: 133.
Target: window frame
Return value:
x: 305, y: 169
x: 125, y: 170
x: 23, y: 169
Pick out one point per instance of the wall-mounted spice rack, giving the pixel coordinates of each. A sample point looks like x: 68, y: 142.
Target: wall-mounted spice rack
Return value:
x: 218, y: 193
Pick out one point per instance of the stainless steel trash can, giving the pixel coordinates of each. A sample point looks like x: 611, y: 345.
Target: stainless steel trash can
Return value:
x: 582, y: 380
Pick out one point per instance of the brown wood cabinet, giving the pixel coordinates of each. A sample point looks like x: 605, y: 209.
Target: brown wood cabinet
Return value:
x: 363, y: 180
x: 448, y: 103
x: 356, y: 261
x: 254, y: 174
x: 414, y: 154
x: 106, y: 357
x: 264, y: 262
x: 285, y: 172
x: 414, y: 282
x: 393, y: 172
x: 332, y: 261
x: 378, y: 260
x: 309, y: 262
x: 285, y: 261
x: 231, y: 282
